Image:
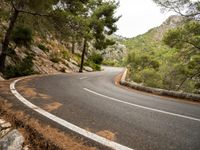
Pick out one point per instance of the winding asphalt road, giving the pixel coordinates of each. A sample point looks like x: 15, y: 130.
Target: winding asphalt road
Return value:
x: 134, y: 119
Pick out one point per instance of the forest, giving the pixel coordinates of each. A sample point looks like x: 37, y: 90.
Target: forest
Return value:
x: 78, y: 23
x: 170, y: 60
x: 165, y: 57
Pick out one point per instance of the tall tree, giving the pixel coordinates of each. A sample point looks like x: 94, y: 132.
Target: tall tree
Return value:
x: 99, y: 21
x: 69, y: 26
x: 22, y: 7
x: 186, y: 39
x: 186, y: 8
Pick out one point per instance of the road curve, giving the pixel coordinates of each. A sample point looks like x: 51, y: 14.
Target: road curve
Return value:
x: 140, y: 121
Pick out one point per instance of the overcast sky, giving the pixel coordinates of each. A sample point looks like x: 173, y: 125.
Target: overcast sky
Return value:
x: 138, y: 16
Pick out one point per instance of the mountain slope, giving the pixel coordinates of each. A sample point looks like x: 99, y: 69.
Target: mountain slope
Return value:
x: 152, y: 63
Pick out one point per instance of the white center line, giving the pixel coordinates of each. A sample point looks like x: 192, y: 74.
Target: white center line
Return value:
x: 66, y: 124
x: 83, y: 78
x: 140, y: 106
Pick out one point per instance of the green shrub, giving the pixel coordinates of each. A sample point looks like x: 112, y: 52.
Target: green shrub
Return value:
x: 95, y: 67
x: 109, y: 63
x: 3, y: 14
x: 55, y: 57
x: 25, y: 67
x: 150, y: 77
x: 43, y: 48
x: 65, y: 54
x: 22, y: 36
x: 96, y: 58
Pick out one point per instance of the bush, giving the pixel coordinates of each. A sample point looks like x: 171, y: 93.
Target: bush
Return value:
x: 55, y: 57
x: 95, y: 67
x: 22, y: 36
x: 24, y: 68
x: 96, y: 58
x: 43, y: 48
x: 65, y: 54
x: 150, y: 77
x: 109, y: 63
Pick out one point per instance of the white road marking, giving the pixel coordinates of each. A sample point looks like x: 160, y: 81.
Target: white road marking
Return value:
x: 66, y: 124
x: 140, y: 106
x: 83, y: 78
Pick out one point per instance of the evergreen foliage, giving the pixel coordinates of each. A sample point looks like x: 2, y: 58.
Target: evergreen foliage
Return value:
x: 171, y: 64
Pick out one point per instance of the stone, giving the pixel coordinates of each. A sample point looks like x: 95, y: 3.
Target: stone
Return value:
x: 73, y: 67
x: 38, y: 52
x: 4, y: 132
x: 26, y: 147
x: 87, y: 68
x: 73, y: 62
x: 1, y: 79
x: 6, y: 125
x: 12, y: 141
x: 2, y: 121
x: 114, y: 52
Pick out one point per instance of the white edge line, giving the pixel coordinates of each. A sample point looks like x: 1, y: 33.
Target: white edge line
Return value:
x: 83, y: 78
x: 66, y: 124
x: 143, y: 107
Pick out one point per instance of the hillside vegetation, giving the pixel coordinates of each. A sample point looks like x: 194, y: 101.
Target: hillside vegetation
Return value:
x: 158, y: 59
x: 44, y: 36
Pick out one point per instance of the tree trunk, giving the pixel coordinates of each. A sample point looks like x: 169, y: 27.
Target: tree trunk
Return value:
x: 6, y: 40
x: 182, y: 82
x: 83, y: 54
x: 73, y: 46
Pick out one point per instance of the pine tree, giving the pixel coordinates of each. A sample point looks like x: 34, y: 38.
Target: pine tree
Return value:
x: 32, y: 7
x: 99, y: 21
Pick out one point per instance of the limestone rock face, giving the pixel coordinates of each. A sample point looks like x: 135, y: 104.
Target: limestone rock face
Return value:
x: 87, y: 68
x: 115, y: 52
x: 10, y: 139
x: 170, y: 23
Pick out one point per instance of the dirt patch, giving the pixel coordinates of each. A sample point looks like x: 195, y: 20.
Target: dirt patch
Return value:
x: 29, y: 92
x: 52, y: 106
x: 44, y: 96
x: 4, y: 87
x: 107, y: 134
x: 40, y: 136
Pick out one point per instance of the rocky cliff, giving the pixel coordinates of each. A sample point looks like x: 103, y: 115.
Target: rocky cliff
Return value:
x: 170, y: 23
x: 115, y: 54
x: 50, y: 54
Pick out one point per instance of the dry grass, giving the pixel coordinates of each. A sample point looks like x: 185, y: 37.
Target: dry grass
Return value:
x: 107, y: 134
x: 52, y: 106
x: 39, y: 135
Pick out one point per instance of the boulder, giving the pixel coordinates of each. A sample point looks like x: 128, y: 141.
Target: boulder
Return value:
x: 87, y: 68
x: 73, y: 62
x: 1, y: 79
x: 71, y: 66
x: 38, y: 52
x: 12, y: 141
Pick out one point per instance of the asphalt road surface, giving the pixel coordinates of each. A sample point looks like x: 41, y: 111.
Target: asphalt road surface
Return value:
x: 134, y: 119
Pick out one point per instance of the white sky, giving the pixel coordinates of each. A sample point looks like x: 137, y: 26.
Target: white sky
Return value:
x: 138, y: 16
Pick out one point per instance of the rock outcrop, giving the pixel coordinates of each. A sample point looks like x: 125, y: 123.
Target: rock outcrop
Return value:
x: 116, y: 52
x: 10, y: 139
x: 1, y: 78
x: 172, y: 22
